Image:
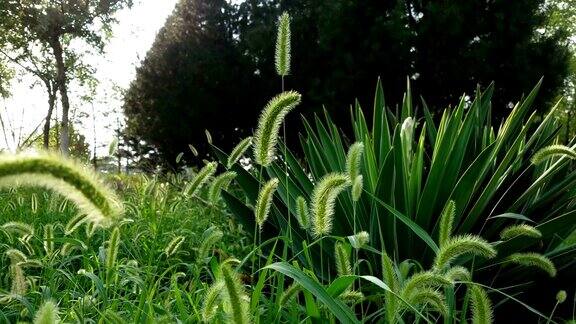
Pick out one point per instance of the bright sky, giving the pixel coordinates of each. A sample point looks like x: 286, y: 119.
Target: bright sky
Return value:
x: 133, y: 36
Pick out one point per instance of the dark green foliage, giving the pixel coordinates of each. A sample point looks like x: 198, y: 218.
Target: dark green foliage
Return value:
x: 218, y: 77
x: 485, y: 168
x: 193, y: 78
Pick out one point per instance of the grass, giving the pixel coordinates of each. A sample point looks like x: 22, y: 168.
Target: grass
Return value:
x: 417, y: 218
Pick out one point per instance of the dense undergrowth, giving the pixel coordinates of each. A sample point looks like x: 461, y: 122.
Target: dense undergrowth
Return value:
x: 415, y: 218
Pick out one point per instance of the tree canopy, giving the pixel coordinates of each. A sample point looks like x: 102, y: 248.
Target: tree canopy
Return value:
x: 40, y: 32
x: 212, y: 66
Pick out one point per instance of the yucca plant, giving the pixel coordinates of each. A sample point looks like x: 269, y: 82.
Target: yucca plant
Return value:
x: 414, y: 165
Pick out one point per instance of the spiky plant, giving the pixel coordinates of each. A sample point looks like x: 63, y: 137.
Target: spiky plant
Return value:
x: 551, y: 151
x: 18, y: 228
x: 48, y: 239
x: 212, y: 301
x: 359, y: 240
x: 446, y: 222
x: 220, y: 183
x: 75, y: 222
x: 19, y: 283
x: 76, y: 183
x: 357, y: 186
x: 112, y: 255
x: 282, y: 55
x: 174, y: 245
x: 459, y: 245
x: 271, y: 118
x: 513, y: 231
x: 323, y: 200
x: 239, y: 151
x: 354, y: 160
x: 235, y: 296
x: 210, y: 237
x: 201, y: 178
x: 481, y: 306
x: 264, y: 202
x: 536, y: 260
x: 342, y: 257
x: 391, y: 280
x: 302, y: 215
x: 47, y: 313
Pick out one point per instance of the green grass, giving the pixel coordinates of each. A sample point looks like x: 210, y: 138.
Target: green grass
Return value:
x: 416, y: 218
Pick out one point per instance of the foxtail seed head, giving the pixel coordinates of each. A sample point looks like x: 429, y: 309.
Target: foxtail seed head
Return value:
x: 282, y: 57
x: 266, y: 136
x: 357, y: 186
x: 48, y: 239
x: 561, y: 296
x: 423, y: 280
x: 47, y: 314
x: 446, y: 222
x: 430, y: 297
x: 220, y: 183
x: 212, y: 301
x: 459, y: 245
x: 18, y: 228
x: 238, y: 151
x: 481, y: 306
x: 201, y: 178
x: 302, y: 213
x: 536, y: 260
x: 359, y: 240
x: 513, y: 231
x: 112, y: 254
x: 210, y: 237
x: 354, y: 160
x: 342, y: 257
x: 264, y: 202
x: 235, y: 295
x: 174, y: 245
x: 72, y: 181
x: 323, y: 201
x: 551, y: 151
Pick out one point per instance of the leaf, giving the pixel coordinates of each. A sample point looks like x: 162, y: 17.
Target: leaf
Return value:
x: 408, y: 222
x: 336, y: 307
x: 512, y: 216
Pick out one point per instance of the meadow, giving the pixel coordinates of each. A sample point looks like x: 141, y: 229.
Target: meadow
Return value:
x: 413, y: 218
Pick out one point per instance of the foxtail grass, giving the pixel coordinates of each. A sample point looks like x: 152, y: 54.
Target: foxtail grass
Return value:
x: 272, y: 117
x: 75, y: 183
x: 47, y: 313
x: 238, y: 151
x: 324, y: 200
x: 552, y: 151
x: 460, y: 245
x: 535, y: 260
x: 264, y: 202
x: 282, y: 54
x: 201, y: 178
x: 513, y: 231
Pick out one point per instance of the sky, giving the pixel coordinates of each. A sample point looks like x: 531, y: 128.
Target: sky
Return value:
x: 133, y: 35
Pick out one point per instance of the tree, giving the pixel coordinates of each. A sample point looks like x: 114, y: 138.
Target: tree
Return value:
x: 562, y: 17
x: 79, y: 147
x: 54, y: 24
x: 6, y: 75
x: 193, y: 78
x: 339, y: 49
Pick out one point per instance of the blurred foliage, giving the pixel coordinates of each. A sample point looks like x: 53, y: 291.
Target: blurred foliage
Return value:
x: 79, y: 148
x: 211, y: 65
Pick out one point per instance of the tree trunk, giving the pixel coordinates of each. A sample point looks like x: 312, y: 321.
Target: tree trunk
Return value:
x: 62, y: 86
x: 52, y: 90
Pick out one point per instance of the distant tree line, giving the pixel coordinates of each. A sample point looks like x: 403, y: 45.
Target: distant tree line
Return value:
x: 211, y: 66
